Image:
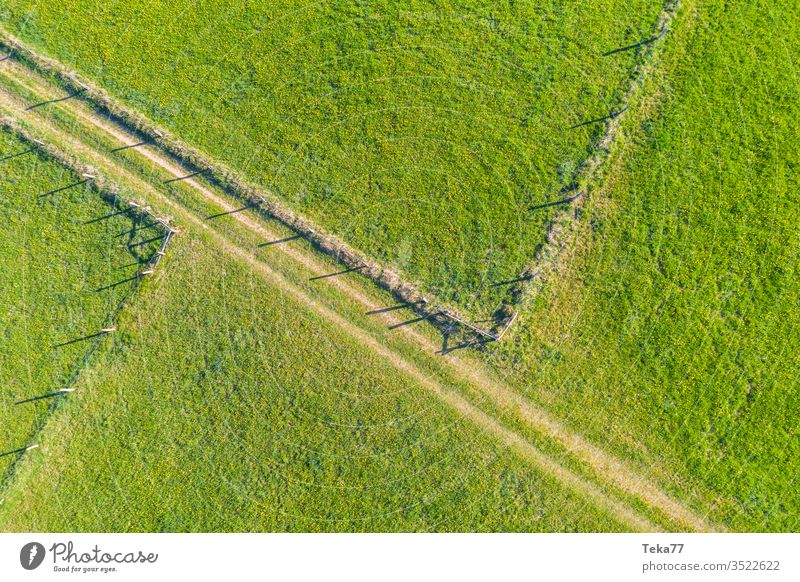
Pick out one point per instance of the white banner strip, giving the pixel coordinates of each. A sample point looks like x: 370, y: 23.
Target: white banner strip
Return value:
x: 401, y: 557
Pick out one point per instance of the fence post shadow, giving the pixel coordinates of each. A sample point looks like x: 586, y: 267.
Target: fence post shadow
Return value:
x: 349, y: 270
x: 57, y: 190
x: 637, y: 44
x: 70, y: 96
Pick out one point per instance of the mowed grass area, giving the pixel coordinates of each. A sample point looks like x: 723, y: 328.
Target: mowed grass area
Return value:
x: 671, y: 333
x: 57, y: 263
x: 424, y: 133
x: 224, y: 404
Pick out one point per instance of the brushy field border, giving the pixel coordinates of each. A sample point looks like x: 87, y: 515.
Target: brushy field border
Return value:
x: 109, y: 194
x: 226, y: 179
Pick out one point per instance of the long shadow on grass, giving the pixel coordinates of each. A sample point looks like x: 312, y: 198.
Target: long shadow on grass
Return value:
x: 42, y: 397
x: 80, y: 339
x: 566, y: 200
x: 57, y: 190
x: 117, y: 284
x: 186, y: 177
x: 636, y: 45
x: 70, y: 96
x: 242, y: 209
x: 391, y: 308
x: 337, y: 273
x: 509, y: 282
x: 612, y: 115
x: 18, y: 154
x: 409, y: 322
x: 107, y: 216
x: 133, y: 145
x: 280, y: 240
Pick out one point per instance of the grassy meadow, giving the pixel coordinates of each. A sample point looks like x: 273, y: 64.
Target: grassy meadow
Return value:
x: 225, y: 402
x: 59, y: 269
x: 670, y: 334
x: 424, y: 133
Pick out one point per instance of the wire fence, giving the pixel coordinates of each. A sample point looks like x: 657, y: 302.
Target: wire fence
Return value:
x: 140, y: 215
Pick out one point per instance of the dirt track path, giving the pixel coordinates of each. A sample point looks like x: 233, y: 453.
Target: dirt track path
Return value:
x: 610, y: 469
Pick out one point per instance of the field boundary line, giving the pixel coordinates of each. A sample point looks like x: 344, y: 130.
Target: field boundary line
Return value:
x: 108, y: 193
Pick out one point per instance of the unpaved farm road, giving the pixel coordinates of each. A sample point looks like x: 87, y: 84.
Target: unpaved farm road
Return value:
x: 609, y: 469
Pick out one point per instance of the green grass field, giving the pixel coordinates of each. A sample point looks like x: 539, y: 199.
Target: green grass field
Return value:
x: 57, y: 265
x: 241, y: 394
x: 424, y: 134
x: 671, y: 333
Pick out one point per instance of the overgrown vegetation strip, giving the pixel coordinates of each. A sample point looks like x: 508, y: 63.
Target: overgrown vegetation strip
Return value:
x: 535, y: 275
